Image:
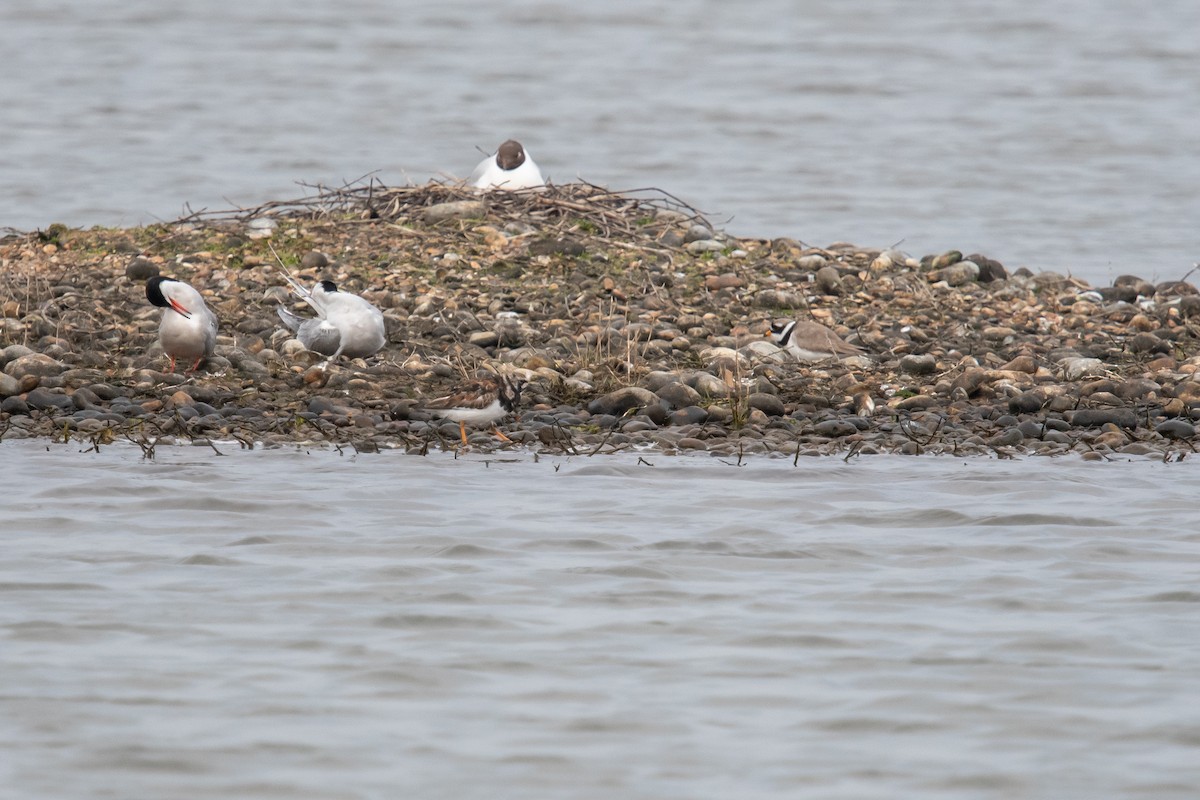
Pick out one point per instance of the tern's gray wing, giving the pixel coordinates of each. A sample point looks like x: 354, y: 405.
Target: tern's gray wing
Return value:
x: 320, y: 336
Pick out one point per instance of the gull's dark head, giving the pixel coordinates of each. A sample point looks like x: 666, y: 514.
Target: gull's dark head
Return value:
x: 510, y: 155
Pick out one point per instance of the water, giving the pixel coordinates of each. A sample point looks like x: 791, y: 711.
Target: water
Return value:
x: 1057, y: 135
x: 314, y: 625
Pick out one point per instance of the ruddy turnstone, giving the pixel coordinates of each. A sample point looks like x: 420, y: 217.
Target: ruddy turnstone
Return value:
x: 345, y: 324
x: 510, y: 168
x: 808, y: 340
x: 482, y: 402
x: 188, y: 329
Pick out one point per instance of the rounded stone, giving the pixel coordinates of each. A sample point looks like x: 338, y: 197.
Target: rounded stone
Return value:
x: 989, y: 268
x: 918, y: 364
x: 622, y: 400
x: 141, y: 269
x: 835, y: 428
x: 484, y: 339
x: 1031, y: 429
x: 708, y: 385
x: 944, y: 260
x: 34, y: 365
x: 85, y: 398
x: 828, y: 280
x: 14, y: 405
x: 970, y: 380
x: 13, y: 352
x: 1008, y: 438
x: 704, y: 246
x: 1148, y: 343
x: 727, y: 280
x: 768, y: 404
x: 1096, y: 417
x: 689, y: 415
x: 957, y: 274
x: 1027, y: 402
x: 314, y: 259
x: 1176, y: 429
x: 47, y: 400
x: 658, y: 378
x: 458, y: 209
x: 678, y: 395
x: 9, y: 386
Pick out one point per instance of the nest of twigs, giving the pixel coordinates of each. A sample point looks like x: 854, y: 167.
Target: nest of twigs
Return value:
x: 628, y: 215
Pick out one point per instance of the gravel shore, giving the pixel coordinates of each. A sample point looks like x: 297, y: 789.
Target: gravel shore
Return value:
x: 641, y: 326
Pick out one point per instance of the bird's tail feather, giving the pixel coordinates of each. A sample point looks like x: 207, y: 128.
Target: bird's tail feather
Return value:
x: 292, y: 321
x: 303, y: 293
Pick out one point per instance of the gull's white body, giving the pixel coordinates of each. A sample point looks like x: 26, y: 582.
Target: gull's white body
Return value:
x: 359, y: 325
x: 489, y: 174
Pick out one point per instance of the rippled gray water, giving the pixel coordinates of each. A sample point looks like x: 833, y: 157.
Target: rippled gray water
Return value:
x: 1059, y: 135
x: 310, y: 625
x: 314, y: 625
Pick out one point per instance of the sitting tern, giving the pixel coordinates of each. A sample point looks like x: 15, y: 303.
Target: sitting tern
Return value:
x: 345, y: 324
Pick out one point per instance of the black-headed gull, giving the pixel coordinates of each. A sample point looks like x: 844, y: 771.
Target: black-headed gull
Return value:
x: 510, y: 168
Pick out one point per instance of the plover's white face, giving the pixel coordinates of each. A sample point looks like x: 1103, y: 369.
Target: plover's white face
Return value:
x: 781, y: 332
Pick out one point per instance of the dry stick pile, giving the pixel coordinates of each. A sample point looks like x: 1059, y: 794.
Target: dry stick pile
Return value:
x: 619, y: 216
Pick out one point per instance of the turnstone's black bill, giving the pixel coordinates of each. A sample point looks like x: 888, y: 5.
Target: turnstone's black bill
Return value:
x: 510, y: 168
x: 188, y: 329
x: 808, y: 340
x: 481, y: 402
x: 345, y: 324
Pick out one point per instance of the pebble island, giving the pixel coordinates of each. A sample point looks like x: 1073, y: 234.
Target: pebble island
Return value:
x: 641, y: 326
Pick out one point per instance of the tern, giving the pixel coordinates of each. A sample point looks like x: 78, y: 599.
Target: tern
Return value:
x: 188, y: 329
x: 510, y: 168
x: 345, y: 324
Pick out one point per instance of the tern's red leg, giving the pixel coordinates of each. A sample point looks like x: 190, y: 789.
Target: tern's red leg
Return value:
x: 172, y: 364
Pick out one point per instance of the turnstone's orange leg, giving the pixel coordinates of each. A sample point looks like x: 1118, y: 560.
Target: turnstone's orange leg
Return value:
x: 500, y: 434
x: 462, y: 431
